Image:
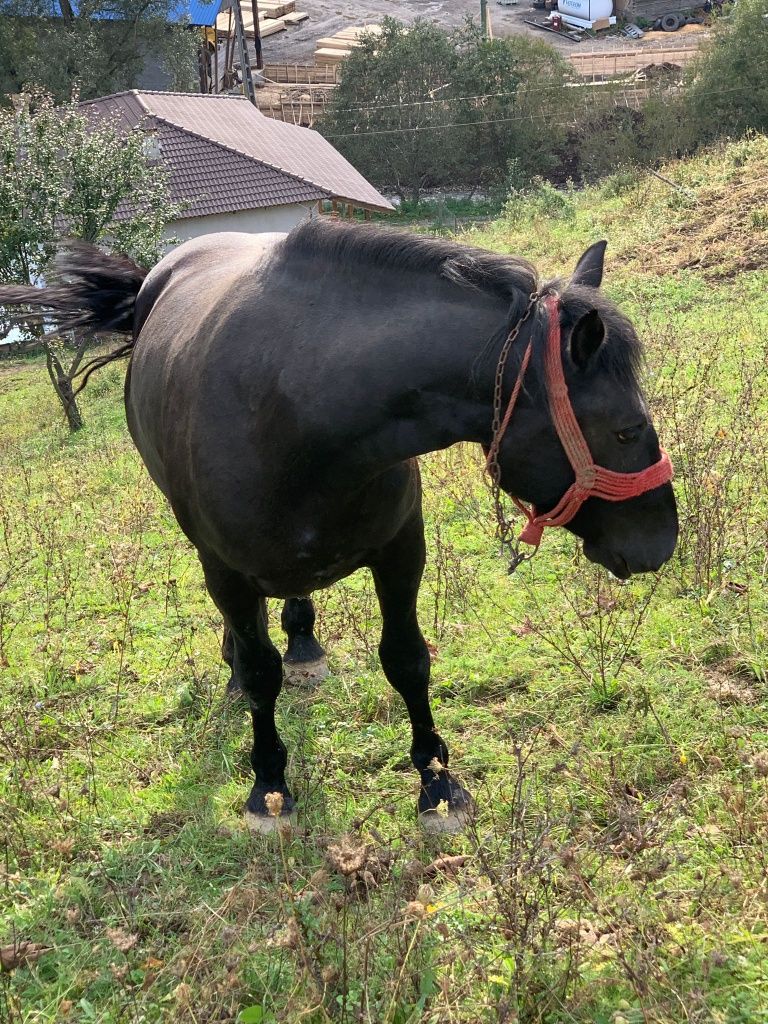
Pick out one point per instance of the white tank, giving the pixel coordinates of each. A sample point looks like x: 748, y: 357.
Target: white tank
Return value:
x: 587, y: 10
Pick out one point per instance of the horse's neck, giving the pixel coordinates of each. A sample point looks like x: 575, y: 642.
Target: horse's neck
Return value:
x: 436, y: 378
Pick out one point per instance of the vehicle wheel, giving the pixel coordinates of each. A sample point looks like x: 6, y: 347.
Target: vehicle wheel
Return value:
x: 671, y: 22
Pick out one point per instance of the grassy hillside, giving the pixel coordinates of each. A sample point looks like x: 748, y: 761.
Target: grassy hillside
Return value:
x: 615, y: 736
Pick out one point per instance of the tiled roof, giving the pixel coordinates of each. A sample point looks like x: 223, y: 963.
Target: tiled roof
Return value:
x: 217, y: 180
x: 226, y: 155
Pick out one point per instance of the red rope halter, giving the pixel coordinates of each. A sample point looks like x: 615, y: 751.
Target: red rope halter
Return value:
x: 591, y: 481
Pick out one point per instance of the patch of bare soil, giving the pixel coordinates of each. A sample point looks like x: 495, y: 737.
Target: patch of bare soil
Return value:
x: 721, y: 231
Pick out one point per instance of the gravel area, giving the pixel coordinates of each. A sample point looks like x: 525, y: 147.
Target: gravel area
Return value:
x: 326, y: 17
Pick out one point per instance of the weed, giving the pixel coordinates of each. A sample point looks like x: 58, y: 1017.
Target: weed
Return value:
x: 613, y: 734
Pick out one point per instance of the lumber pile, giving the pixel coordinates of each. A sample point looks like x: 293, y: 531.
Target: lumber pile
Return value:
x: 334, y: 49
x: 275, y: 9
x: 274, y: 16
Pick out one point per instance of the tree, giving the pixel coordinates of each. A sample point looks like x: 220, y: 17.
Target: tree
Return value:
x: 96, y: 46
x: 64, y: 173
x: 388, y: 108
x: 518, y: 108
x: 420, y: 106
x: 727, y: 89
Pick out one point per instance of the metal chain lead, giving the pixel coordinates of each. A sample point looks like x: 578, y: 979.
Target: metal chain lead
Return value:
x: 505, y: 526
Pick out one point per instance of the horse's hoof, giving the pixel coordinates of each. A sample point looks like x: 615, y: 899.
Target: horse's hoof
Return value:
x: 444, y: 805
x: 433, y: 822
x: 265, y: 824
x: 305, y: 674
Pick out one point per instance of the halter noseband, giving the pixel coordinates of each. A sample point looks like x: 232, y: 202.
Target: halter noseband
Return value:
x: 592, y: 481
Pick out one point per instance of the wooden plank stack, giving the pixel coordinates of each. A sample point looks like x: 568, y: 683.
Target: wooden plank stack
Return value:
x: 274, y: 16
x: 298, y: 74
x: 332, y: 50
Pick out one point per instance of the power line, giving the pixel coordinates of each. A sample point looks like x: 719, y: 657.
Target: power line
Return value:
x: 438, y: 127
x: 619, y: 84
x: 532, y: 117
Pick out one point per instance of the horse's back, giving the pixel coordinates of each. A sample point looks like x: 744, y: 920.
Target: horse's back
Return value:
x: 204, y: 267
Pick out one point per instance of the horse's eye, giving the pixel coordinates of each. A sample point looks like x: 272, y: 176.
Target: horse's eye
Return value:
x: 629, y: 434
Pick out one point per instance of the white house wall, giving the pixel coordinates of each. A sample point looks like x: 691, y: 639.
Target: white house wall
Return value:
x: 272, y: 218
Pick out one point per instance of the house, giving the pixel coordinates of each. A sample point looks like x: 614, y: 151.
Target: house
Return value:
x: 234, y: 169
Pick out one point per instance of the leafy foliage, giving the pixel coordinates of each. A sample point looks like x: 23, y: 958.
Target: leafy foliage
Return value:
x: 724, y: 96
x: 65, y: 174
x: 100, y: 49
x: 419, y: 106
x: 727, y: 91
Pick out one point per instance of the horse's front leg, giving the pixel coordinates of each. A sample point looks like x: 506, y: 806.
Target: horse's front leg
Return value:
x: 257, y: 671
x: 443, y: 804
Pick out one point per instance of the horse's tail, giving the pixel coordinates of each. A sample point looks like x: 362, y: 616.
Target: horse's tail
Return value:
x: 92, y: 291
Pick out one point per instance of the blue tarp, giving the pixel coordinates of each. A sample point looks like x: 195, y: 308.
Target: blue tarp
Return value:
x: 194, y: 12
x: 197, y: 12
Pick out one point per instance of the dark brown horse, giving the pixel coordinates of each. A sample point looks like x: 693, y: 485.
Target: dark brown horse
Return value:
x: 279, y: 391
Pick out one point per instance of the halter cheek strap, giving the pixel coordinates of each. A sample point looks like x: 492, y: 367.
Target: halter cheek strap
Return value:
x: 592, y: 481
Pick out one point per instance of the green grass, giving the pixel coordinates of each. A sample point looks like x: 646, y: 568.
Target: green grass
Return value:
x: 615, y: 737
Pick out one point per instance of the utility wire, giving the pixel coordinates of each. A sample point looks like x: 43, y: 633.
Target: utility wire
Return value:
x: 533, y: 117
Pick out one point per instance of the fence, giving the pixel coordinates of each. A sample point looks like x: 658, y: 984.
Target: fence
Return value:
x: 14, y: 349
x: 612, y: 63
x: 308, y: 88
x: 302, y: 74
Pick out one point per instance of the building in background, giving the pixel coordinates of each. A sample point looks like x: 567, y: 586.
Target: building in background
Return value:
x: 233, y: 169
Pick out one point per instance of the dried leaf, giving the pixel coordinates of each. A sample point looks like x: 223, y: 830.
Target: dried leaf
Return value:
x: 288, y: 937
x: 121, y: 940
x: 21, y: 953
x: 445, y: 864
x: 525, y: 627
x: 346, y: 856
x: 415, y: 909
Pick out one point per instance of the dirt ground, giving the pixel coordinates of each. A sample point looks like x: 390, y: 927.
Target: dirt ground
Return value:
x: 326, y: 17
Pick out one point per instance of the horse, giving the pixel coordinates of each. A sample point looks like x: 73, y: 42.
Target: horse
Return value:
x: 280, y: 389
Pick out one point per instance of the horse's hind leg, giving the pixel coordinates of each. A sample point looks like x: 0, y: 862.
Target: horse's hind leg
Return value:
x: 304, y: 660
x: 228, y: 656
x: 257, y: 670
x: 405, y: 659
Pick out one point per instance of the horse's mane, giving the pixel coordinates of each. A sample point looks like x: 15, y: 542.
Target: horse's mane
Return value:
x: 509, y: 278
x: 463, y: 265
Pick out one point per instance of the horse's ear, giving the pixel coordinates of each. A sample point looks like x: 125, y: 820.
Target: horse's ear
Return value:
x: 589, y: 269
x: 586, y: 338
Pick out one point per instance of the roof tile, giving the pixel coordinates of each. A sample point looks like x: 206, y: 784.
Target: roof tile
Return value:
x: 223, y: 150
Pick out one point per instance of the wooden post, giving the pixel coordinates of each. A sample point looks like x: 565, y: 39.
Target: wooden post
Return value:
x: 484, y: 18
x: 229, y: 53
x: 242, y: 46
x: 257, y: 35
x: 202, y: 63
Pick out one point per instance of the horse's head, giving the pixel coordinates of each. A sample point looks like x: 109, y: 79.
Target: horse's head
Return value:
x: 600, y: 353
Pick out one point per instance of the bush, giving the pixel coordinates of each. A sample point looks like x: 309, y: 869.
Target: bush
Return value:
x: 727, y: 87
x: 419, y: 107
x: 542, y: 200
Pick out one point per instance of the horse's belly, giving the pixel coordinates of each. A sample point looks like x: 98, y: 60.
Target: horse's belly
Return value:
x: 311, y: 551
x: 300, y: 581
